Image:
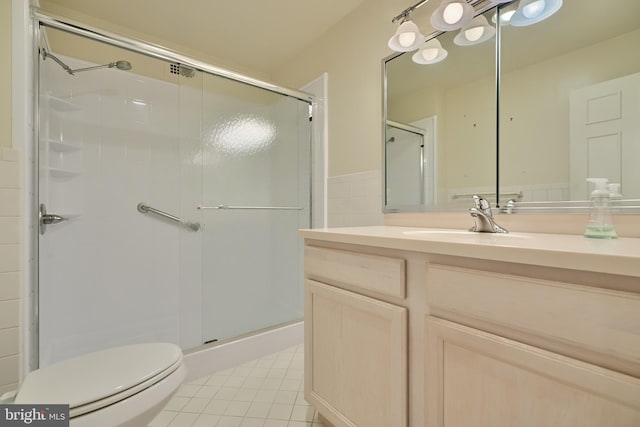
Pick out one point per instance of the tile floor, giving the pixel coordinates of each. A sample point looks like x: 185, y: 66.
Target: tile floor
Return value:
x: 266, y: 392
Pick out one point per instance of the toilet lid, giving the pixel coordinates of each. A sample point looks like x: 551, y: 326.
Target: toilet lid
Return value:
x: 92, y: 381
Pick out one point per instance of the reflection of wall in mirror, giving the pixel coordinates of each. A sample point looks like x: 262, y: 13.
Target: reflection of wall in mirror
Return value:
x: 535, y: 114
x: 465, y: 134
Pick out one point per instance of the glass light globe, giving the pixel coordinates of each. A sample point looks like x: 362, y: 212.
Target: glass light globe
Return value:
x: 406, y: 39
x: 533, y: 9
x: 473, y: 34
x: 505, y: 17
x: 429, y: 53
x: 453, y: 12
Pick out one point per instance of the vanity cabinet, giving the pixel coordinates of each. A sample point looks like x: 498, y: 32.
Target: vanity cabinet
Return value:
x: 355, y: 345
x: 484, y: 380
x: 436, y: 333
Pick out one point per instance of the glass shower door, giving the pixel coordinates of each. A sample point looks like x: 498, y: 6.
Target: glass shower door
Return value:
x: 256, y: 194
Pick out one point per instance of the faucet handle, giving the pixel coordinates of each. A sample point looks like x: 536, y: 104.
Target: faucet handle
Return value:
x: 481, y: 203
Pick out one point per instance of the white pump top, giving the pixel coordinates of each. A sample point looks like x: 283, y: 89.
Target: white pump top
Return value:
x: 601, y: 186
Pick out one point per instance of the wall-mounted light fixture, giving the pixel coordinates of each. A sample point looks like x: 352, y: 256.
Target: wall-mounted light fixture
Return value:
x: 459, y: 14
x: 430, y: 53
x: 407, y: 37
x: 506, y: 13
x: 452, y: 15
x: 533, y: 11
x: 476, y: 32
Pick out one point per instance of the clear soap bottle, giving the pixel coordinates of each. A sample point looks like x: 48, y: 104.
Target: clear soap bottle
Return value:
x: 600, y: 225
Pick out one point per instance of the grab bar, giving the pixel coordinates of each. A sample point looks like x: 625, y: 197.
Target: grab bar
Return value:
x: 191, y: 226
x: 279, y: 208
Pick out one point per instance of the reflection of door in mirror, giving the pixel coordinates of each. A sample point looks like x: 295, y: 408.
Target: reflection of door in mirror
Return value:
x: 605, y: 135
x: 404, y: 154
x: 544, y: 67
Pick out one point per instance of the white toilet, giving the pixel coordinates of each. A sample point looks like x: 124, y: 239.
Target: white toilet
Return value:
x: 122, y: 386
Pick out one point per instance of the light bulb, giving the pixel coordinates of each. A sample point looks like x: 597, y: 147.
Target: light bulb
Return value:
x: 473, y: 34
x: 505, y: 17
x: 533, y: 9
x: 429, y: 53
x: 406, y: 39
x: 453, y: 12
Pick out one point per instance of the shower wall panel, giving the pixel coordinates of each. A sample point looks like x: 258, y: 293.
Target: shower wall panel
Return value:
x: 109, y: 275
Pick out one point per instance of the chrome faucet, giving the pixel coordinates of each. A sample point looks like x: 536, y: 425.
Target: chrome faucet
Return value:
x: 483, y: 218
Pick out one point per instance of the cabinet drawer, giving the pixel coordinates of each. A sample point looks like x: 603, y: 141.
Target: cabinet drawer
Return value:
x: 379, y: 274
x: 602, y: 322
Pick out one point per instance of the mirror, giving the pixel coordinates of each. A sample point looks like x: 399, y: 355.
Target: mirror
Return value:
x: 454, y: 104
x: 570, y: 102
x: 569, y: 109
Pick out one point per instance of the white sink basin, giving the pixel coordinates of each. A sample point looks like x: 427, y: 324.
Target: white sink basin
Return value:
x: 435, y: 232
x: 458, y: 233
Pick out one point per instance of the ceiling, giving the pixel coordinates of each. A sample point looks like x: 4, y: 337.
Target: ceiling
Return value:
x: 253, y: 34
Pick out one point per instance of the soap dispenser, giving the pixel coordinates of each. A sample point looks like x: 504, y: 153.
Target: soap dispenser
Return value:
x: 614, y: 191
x: 600, y: 225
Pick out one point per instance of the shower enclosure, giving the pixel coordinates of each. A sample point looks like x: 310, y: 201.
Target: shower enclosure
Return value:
x: 170, y: 198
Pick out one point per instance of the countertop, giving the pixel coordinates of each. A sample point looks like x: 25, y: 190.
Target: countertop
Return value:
x: 612, y: 256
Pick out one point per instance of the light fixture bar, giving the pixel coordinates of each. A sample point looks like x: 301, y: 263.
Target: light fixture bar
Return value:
x: 410, y: 9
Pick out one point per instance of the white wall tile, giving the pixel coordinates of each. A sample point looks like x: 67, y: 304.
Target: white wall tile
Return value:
x: 9, y: 230
x: 9, y: 175
x: 8, y: 154
x: 9, y: 258
x: 9, y: 202
x: 355, y: 199
x: 9, y: 369
x: 9, y: 269
x: 9, y: 314
x: 10, y: 342
x: 9, y: 286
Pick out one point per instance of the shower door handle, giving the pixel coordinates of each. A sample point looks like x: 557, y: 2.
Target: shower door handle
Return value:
x: 48, y: 219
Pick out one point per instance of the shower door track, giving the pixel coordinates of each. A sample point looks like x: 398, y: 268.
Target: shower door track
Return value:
x: 159, y: 52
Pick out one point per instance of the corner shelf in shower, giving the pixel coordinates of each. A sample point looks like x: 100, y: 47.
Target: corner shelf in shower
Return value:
x: 63, y: 147
x: 60, y: 104
x: 62, y: 173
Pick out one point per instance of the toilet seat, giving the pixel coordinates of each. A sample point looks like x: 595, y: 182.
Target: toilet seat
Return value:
x: 93, y: 381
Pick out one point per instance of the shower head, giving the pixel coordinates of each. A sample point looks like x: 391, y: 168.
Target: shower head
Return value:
x: 120, y: 65
x: 392, y: 139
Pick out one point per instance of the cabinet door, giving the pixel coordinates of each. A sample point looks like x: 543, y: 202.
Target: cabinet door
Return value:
x: 476, y: 379
x: 355, y: 358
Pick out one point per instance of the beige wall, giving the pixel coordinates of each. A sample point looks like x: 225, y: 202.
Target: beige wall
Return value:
x: 56, y: 9
x: 5, y: 73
